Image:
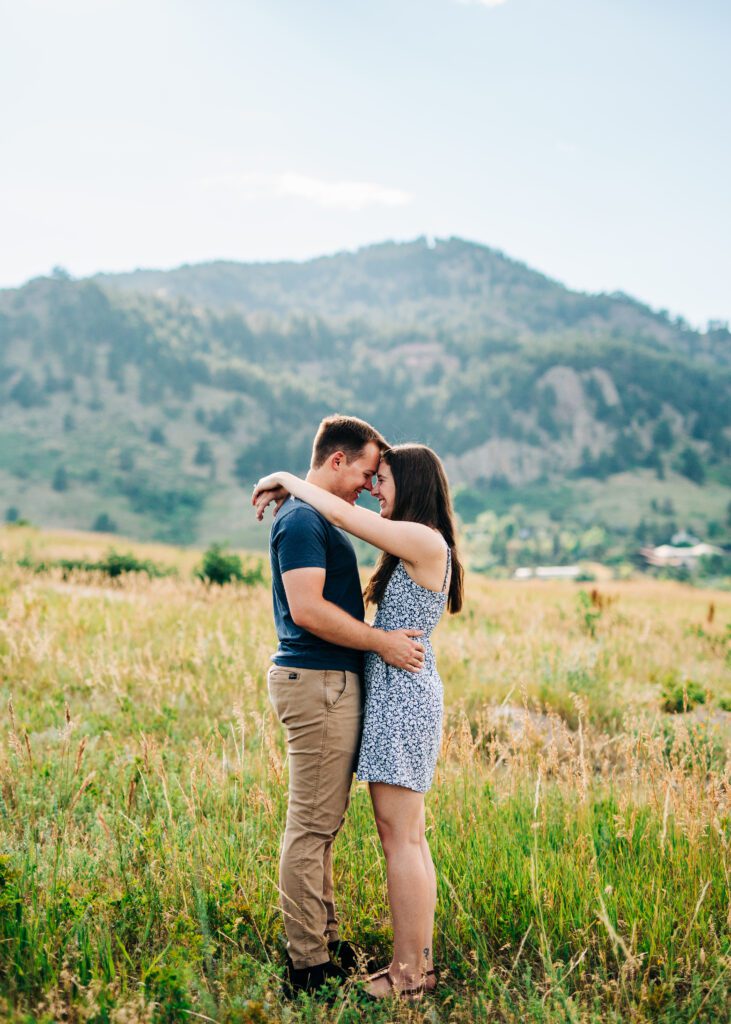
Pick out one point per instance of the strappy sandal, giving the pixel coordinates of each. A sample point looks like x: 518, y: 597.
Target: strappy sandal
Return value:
x: 412, y: 995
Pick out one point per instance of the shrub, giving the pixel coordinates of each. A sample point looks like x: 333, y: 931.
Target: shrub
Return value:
x: 220, y: 566
x: 104, y: 524
x: 113, y: 564
x: 714, y: 565
x: 167, y: 986
x: 589, y: 611
x: 681, y: 695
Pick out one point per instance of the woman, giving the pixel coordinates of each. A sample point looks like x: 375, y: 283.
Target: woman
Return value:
x: 418, y: 574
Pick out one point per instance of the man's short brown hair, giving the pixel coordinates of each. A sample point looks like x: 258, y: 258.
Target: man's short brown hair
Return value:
x: 345, y: 434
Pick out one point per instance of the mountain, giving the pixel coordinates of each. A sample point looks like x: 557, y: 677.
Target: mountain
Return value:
x: 449, y: 286
x: 152, y: 398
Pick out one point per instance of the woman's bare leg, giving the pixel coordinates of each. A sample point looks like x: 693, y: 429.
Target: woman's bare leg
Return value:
x: 429, y: 936
x: 399, y: 816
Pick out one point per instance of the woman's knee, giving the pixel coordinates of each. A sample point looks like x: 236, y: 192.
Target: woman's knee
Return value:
x: 399, y: 816
x: 398, y: 834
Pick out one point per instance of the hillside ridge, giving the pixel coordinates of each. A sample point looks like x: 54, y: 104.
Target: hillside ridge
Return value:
x: 155, y: 410
x: 448, y: 283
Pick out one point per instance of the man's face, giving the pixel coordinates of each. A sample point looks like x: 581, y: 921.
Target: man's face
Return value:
x: 353, y: 477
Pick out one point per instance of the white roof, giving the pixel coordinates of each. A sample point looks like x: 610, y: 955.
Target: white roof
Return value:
x: 668, y: 551
x: 545, y: 572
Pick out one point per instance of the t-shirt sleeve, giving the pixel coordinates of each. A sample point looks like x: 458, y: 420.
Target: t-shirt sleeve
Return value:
x: 302, y: 541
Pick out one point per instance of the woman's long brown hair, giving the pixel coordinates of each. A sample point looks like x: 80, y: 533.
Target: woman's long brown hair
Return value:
x: 422, y: 496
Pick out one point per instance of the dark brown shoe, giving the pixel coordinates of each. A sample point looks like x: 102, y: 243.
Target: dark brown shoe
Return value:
x: 350, y: 957
x: 311, y: 979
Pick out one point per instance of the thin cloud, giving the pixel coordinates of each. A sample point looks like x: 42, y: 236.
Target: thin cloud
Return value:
x: 348, y: 195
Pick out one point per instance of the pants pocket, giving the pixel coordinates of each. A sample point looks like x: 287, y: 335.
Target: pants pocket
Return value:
x: 279, y: 684
x: 336, y: 683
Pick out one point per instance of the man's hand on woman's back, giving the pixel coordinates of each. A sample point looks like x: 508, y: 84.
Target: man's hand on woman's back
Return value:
x: 401, y: 649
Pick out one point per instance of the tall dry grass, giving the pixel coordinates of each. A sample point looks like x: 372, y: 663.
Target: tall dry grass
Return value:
x: 581, y: 833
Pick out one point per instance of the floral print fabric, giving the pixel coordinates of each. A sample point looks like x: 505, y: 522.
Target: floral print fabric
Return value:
x: 402, y: 722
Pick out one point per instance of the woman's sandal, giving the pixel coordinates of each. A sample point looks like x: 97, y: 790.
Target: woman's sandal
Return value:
x: 412, y: 995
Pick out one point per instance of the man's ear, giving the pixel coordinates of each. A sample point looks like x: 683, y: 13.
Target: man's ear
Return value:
x: 336, y: 460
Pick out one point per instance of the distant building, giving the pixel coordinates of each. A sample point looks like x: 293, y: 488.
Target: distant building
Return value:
x: 679, y: 555
x: 683, y: 539
x: 547, y: 572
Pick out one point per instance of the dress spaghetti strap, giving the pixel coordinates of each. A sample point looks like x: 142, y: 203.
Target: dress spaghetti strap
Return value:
x: 446, y: 571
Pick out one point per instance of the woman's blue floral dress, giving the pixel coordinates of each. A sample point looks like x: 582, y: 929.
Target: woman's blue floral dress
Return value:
x: 402, y: 721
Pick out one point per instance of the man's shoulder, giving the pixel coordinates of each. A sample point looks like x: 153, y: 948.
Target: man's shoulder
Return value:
x: 296, y: 514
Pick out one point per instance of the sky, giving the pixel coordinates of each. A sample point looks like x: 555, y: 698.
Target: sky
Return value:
x: 586, y: 138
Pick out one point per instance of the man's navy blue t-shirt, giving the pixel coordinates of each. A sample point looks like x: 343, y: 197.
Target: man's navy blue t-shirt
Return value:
x: 302, y: 538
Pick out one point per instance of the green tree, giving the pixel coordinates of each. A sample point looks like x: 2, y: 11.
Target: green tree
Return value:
x: 221, y: 421
x: 690, y: 465
x: 662, y: 435
x: 26, y: 392
x: 468, y: 503
x: 203, y: 454
x: 60, y: 480
x: 104, y: 524
x: 546, y: 405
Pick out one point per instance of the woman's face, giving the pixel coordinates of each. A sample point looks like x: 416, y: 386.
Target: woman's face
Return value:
x: 385, y: 489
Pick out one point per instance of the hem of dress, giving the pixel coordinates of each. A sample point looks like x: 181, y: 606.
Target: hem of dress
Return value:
x: 393, y: 782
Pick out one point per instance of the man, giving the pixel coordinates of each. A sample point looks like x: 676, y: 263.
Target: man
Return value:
x: 315, y: 688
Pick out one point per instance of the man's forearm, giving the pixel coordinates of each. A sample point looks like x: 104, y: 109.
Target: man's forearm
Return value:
x: 329, y: 622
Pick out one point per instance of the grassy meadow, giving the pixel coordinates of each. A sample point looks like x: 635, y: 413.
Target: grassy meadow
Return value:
x: 580, y: 820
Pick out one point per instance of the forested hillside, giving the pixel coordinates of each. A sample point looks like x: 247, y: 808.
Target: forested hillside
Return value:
x: 450, y: 290
x: 153, y: 398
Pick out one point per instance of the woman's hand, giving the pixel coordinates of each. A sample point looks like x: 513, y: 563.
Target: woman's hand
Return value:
x: 266, y: 491
x: 267, y: 483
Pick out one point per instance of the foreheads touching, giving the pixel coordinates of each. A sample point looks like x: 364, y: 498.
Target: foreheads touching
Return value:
x: 346, y: 434
x: 345, y: 455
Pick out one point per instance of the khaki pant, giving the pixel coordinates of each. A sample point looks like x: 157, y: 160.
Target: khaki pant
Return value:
x: 321, y: 711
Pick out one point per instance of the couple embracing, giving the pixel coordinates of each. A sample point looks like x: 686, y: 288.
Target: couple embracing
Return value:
x: 356, y: 697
